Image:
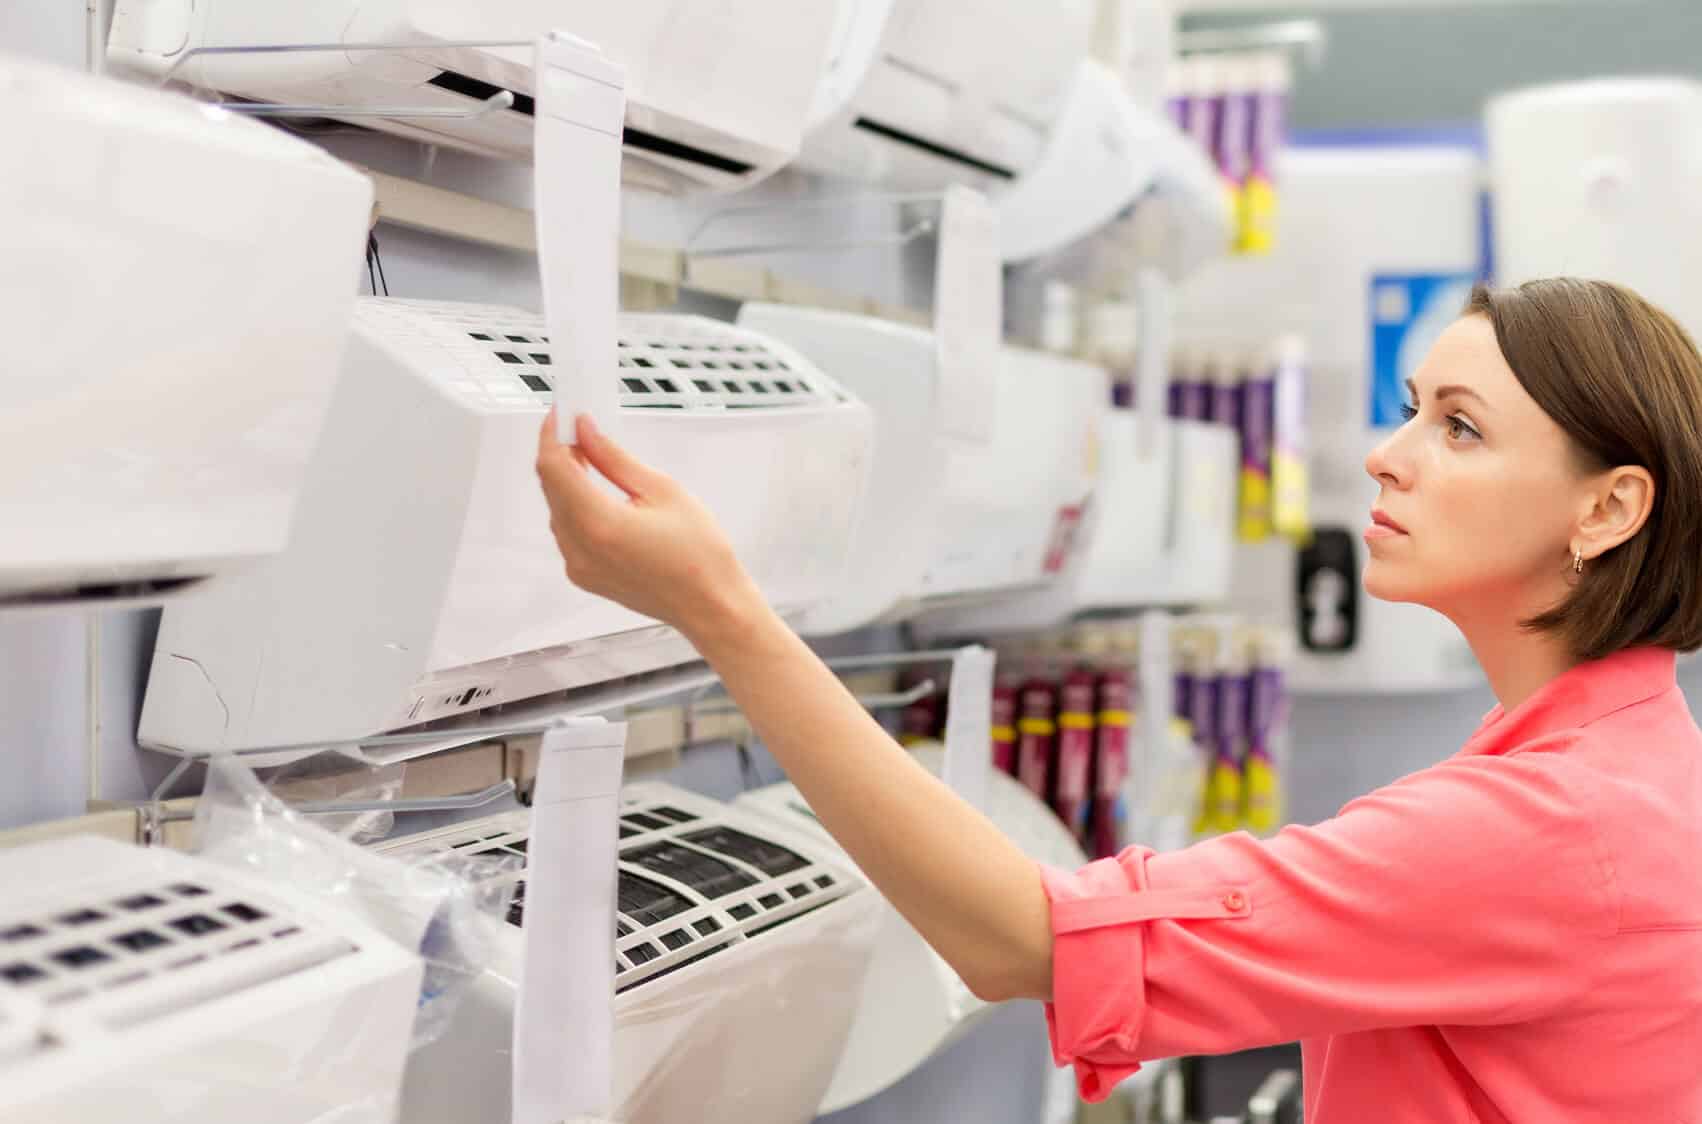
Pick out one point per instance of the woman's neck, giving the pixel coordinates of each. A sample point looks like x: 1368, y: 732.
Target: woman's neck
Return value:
x: 1517, y: 661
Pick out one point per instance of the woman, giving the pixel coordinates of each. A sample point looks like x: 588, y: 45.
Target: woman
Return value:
x: 1512, y: 935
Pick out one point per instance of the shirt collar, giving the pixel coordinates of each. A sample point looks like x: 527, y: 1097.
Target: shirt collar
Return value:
x: 1576, y: 698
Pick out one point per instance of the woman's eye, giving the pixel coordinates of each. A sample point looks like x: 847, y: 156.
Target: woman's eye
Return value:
x: 1459, y: 429
x: 1408, y: 411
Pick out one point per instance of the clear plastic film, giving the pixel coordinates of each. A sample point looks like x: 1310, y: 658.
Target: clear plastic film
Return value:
x: 444, y: 908
x: 753, y: 1031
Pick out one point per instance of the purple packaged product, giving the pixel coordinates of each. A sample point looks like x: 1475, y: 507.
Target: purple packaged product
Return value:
x: 1194, y: 401
x: 1200, y: 115
x: 1182, y: 700
x: 1233, y: 143
x: 1258, y: 416
x: 1174, y: 408
x: 1232, y: 695
x: 1263, y: 697
x: 1202, y: 712
x: 1224, y: 406
x: 1268, y: 126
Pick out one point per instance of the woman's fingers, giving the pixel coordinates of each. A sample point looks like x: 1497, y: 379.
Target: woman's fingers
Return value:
x: 574, y: 498
x: 620, y: 467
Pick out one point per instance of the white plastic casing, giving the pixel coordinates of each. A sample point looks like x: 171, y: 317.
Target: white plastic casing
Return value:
x: 423, y: 581
x: 913, y: 1003
x: 157, y: 988
x: 952, y: 91
x: 1598, y: 179
x: 717, y: 93
x: 176, y: 297
x: 1014, y: 506
x: 731, y: 1005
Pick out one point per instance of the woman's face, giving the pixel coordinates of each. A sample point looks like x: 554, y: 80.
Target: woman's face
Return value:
x: 1479, y: 490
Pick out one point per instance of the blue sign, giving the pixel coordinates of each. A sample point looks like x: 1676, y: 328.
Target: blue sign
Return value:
x: 1408, y: 312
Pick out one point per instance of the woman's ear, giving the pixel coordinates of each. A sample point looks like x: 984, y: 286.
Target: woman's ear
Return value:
x: 1620, y: 503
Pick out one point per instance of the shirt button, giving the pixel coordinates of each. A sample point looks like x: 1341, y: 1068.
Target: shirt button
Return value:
x: 1234, y: 901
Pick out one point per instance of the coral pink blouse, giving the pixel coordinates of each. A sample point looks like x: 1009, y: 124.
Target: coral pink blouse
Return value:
x: 1512, y: 935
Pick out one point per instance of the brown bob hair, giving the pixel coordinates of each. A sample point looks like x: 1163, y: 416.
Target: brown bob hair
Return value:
x: 1624, y: 381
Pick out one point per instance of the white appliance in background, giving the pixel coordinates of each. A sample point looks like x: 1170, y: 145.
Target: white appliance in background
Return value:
x: 1075, y: 214
x: 422, y: 581
x: 162, y: 392
x: 913, y: 1004
x: 740, y: 950
x: 1161, y: 532
x: 716, y: 93
x: 912, y: 100
x: 1376, y: 254
x: 895, y: 369
x: 1599, y: 179
x: 1014, y: 507
x: 950, y: 517
x: 150, y: 986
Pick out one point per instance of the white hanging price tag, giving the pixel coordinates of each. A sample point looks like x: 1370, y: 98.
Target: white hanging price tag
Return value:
x: 576, y: 187
x: 564, y: 1013
x: 968, y: 312
x: 969, y: 726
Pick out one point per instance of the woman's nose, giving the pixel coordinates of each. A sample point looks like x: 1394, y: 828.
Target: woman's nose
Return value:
x: 1386, y: 464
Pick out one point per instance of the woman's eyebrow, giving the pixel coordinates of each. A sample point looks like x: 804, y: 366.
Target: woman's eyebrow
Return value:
x: 1451, y: 390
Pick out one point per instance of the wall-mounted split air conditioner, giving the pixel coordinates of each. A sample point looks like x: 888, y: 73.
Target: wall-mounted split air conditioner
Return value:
x: 948, y: 91
x: 422, y: 581
x: 949, y: 516
x: 149, y: 986
x: 162, y: 392
x: 913, y: 1004
x: 717, y: 93
x: 740, y: 948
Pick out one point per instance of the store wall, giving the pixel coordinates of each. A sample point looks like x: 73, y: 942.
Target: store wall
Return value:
x: 1398, y: 65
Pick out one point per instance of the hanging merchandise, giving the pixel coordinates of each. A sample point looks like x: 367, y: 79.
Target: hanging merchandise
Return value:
x: 1268, y: 106
x: 717, y: 94
x: 1005, y: 707
x: 1379, y: 250
x: 1225, y: 800
x: 133, y: 465
x: 1598, y: 179
x: 1072, y: 797
x: 723, y: 918
x: 1267, y: 717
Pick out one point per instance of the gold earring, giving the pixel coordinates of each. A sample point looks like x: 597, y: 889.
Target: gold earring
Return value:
x: 1577, y: 561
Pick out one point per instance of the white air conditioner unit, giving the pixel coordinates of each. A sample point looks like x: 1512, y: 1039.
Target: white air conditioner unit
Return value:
x: 913, y: 1003
x: 740, y: 949
x: 948, y: 91
x: 912, y: 99
x: 422, y: 581
x: 1014, y: 505
x: 949, y: 517
x: 153, y: 987
x: 163, y: 390
x: 716, y: 93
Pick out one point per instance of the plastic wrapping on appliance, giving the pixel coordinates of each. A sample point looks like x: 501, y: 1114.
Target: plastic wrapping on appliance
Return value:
x: 445, y: 909
x: 690, y: 1045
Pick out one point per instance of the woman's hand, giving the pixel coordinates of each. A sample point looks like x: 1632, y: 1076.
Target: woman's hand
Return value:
x: 657, y: 551
x: 965, y: 887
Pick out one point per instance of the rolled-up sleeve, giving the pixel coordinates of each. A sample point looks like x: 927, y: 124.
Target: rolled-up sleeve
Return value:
x: 1470, y: 893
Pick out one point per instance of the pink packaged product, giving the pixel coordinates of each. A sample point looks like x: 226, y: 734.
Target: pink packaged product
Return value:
x: 1037, y: 736
x: 1004, y: 727
x: 1071, y: 797
x: 1115, y: 698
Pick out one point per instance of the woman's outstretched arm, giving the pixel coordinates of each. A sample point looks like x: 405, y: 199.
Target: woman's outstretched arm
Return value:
x: 969, y: 891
